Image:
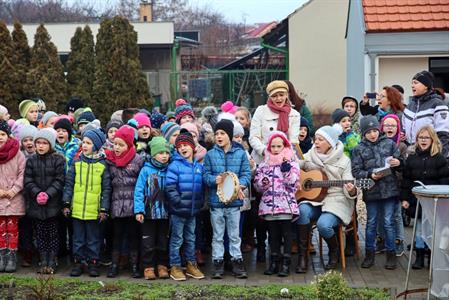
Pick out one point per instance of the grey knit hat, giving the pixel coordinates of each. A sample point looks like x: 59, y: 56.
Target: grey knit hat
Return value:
x: 47, y: 116
x: 48, y: 134
x: 367, y: 123
x: 26, y: 131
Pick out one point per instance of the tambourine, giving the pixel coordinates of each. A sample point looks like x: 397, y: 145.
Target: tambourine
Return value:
x: 228, y: 189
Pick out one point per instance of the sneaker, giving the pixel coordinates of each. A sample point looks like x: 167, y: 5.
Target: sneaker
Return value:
x: 77, y: 269
x: 399, y: 247
x: 380, y: 245
x: 193, y: 271
x: 218, y: 269
x: 149, y: 274
x: 238, y: 269
x: 177, y: 274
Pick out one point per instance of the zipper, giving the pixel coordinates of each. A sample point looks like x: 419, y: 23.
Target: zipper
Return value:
x: 85, y: 191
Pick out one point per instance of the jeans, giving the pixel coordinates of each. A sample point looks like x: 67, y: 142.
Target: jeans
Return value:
x: 385, y: 207
x: 326, y: 221
x: 419, y: 241
x: 398, y: 223
x: 86, y: 239
x: 228, y: 218
x: 182, y: 231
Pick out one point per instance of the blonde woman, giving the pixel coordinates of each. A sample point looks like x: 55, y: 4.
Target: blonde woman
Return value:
x: 429, y: 166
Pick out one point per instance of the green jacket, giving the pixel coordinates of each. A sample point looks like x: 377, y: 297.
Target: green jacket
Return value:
x: 88, y: 188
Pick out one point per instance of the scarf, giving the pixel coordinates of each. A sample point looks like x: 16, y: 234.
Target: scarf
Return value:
x: 9, y: 150
x: 382, y: 113
x: 157, y: 164
x: 277, y: 159
x: 283, y: 113
x: 122, y: 160
x: 323, y: 157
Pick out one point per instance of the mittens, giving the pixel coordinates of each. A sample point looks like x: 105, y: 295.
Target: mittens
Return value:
x: 42, y: 198
x: 285, y: 167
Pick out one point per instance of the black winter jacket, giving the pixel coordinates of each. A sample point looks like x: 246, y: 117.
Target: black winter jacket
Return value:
x: 44, y: 173
x: 425, y: 168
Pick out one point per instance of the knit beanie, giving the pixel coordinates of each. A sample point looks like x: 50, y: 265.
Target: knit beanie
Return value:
x: 5, y: 127
x: 3, y: 110
x: 225, y: 115
x: 229, y: 107
x: 191, y: 127
x: 96, y: 136
x: 210, y: 113
x: 338, y: 115
x: 168, y: 129
x: 158, y: 144
x: 25, y: 106
x: 48, y: 134
x: 47, y: 116
x: 26, y: 131
x: 183, y: 109
x: 426, y: 78
x: 227, y: 126
x: 85, y: 117
x: 157, y: 119
x: 278, y: 134
x: 170, y: 115
x: 126, y: 133
x: 113, y: 124
x: 304, y: 123
x: 367, y: 123
x: 64, y: 124
x: 142, y: 119
x: 238, y: 129
x: 185, y: 138
x: 73, y: 104
x: 398, y: 126
x: 117, y: 115
x: 350, y: 98
x: 330, y: 134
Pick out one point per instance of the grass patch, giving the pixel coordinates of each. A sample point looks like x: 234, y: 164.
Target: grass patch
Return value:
x: 48, y: 287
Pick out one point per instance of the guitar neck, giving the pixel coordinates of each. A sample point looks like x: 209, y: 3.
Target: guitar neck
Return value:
x: 329, y: 183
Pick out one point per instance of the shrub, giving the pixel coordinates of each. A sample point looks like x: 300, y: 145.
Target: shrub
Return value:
x: 332, y: 285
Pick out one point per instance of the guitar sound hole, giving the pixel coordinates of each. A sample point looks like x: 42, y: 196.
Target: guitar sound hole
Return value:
x: 307, y: 184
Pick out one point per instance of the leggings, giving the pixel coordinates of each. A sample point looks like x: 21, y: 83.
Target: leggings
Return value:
x: 47, y: 236
x: 9, y: 232
x: 280, y: 230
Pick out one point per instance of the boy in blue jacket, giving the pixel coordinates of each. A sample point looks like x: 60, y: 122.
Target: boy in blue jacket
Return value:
x: 183, y: 189
x: 150, y: 208
x: 226, y: 156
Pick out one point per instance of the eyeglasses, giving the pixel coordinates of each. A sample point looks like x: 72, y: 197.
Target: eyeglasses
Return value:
x: 424, y: 138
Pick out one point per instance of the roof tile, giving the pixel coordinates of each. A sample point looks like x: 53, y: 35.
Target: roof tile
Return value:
x: 406, y: 15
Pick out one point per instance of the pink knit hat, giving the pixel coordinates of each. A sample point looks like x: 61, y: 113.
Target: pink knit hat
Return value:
x: 397, y: 138
x: 142, y: 120
x: 191, y: 127
x: 229, y: 107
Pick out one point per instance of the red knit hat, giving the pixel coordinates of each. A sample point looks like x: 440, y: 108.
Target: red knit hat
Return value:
x: 185, y: 138
x: 126, y: 133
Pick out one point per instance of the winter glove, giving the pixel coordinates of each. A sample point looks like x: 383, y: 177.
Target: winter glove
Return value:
x: 285, y: 167
x: 42, y: 198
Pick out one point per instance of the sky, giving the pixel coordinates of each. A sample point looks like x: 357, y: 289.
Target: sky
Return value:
x: 252, y: 11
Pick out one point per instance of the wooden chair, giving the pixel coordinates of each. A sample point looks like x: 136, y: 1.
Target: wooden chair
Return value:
x: 341, y: 240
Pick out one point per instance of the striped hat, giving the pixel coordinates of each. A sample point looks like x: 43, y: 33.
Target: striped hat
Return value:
x: 168, y: 129
x: 183, y: 109
x: 185, y: 138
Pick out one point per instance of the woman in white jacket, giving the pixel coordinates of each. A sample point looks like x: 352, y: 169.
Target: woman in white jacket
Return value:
x: 277, y: 114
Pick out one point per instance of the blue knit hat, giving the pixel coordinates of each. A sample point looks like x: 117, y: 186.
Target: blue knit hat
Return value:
x: 157, y: 119
x: 85, y: 117
x: 96, y: 136
x: 168, y: 129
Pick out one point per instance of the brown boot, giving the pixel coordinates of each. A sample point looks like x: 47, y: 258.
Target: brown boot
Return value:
x: 162, y: 272
x: 193, y: 271
x: 332, y: 244
x: 177, y: 274
x: 149, y: 274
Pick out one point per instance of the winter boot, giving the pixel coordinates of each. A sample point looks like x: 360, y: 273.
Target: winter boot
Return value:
x: 332, y: 244
x: 350, y: 247
x: 51, y: 267
x: 193, y: 271
x: 303, y: 238
x: 3, y: 259
x: 162, y: 272
x: 114, y: 268
x: 77, y: 269
x: 93, y: 268
x: 218, y: 269
x: 419, y: 260
x: 391, y: 260
x: 149, y: 274
x: 285, y: 267
x: 369, y: 260
x: 43, y: 264
x: 238, y: 269
x: 274, y: 265
x: 135, y: 271
x: 11, y: 265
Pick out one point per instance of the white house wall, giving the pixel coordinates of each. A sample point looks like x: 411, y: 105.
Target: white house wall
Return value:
x: 317, y: 52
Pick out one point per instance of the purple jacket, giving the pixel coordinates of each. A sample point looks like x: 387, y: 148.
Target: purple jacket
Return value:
x: 279, y: 189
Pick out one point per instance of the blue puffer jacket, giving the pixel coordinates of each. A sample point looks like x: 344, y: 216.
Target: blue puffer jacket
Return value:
x: 217, y: 162
x: 149, y: 195
x: 184, y: 187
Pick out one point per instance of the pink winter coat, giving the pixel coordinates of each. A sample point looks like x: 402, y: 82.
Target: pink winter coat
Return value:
x: 279, y: 189
x: 11, y: 177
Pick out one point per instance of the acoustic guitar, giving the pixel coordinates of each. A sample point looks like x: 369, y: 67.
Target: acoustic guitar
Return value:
x: 314, y: 185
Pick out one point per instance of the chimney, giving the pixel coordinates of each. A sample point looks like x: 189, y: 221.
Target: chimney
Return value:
x: 146, y: 11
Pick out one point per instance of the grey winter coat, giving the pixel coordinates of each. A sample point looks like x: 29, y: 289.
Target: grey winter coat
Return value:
x: 123, y: 185
x: 368, y: 156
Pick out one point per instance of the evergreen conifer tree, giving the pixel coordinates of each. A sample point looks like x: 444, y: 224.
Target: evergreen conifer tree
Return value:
x: 45, y: 78
x: 6, y: 70
x: 21, y: 60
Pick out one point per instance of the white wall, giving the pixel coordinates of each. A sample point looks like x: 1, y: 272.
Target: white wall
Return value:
x: 400, y: 70
x: 317, y: 52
